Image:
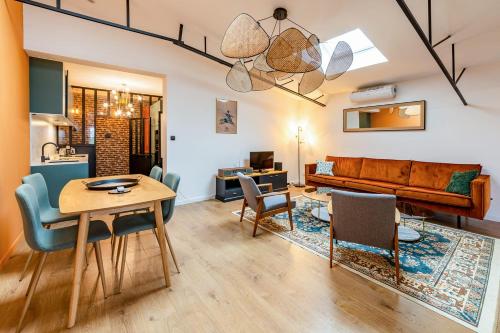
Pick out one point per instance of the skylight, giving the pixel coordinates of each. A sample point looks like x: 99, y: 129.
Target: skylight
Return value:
x: 365, y: 53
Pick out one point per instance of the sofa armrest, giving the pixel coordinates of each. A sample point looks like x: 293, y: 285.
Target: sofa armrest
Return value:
x: 480, y: 191
x: 310, y: 169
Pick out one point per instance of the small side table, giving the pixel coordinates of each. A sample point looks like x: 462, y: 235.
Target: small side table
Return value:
x: 414, y: 213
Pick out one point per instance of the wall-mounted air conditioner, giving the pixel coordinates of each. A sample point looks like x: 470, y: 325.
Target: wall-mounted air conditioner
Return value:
x: 374, y: 94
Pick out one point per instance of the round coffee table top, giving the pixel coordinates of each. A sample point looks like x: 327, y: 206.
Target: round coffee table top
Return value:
x: 322, y: 194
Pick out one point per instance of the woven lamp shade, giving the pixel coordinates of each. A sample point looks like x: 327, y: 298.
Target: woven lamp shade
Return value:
x: 261, y: 80
x: 340, y: 61
x: 261, y: 63
x: 292, y: 52
x: 244, y: 38
x: 238, y: 78
x: 312, y: 80
x: 282, y: 75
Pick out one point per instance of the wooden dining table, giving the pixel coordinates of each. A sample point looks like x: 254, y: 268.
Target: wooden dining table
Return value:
x: 76, y: 199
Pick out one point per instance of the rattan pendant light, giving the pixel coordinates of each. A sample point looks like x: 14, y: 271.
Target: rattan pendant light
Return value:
x: 278, y: 56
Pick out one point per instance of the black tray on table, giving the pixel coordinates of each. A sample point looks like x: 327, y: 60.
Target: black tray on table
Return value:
x: 110, y: 184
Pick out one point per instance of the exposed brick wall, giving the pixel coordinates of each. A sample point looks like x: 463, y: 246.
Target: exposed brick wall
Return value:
x: 76, y: 117
x: 112, y: 154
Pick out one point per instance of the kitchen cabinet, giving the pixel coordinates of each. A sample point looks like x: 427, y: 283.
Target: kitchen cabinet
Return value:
x: 229, y: 188
x: 58, y: 174
x: 46, y: 86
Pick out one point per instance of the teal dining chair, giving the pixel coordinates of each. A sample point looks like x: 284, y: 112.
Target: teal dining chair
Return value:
x: 155, y: 173
x: 128, y: 224
x: 45, y: 240
x: 48, y: 214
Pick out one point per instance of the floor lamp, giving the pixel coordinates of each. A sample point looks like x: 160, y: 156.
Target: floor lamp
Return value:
x: 299, y: 142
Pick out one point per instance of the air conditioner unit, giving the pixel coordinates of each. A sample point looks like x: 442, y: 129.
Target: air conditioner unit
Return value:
x: 374, y: 94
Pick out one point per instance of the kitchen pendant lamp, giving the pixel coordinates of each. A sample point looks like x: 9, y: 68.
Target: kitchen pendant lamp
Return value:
x: 289, y: 50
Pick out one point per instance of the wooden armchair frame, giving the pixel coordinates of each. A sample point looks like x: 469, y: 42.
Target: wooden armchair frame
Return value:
x: 396, y: 243
x: 260, y: 205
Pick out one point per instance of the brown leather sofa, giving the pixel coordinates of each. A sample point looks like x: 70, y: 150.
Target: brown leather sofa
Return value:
x: 418, y: 183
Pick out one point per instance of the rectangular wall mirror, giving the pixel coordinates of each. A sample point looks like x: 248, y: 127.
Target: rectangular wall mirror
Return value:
x: 390, y: 117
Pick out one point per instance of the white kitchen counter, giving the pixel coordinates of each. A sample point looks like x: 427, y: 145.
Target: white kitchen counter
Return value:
x: 80, y: 159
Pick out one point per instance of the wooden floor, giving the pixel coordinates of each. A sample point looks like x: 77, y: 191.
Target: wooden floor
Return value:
x: 229, y: 282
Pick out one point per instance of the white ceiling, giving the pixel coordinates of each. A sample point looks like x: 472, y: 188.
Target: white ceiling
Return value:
x: 104, y: 78
x: 475, y: 26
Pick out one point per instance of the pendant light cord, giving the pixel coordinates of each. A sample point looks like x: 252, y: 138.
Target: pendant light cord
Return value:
x: 272, y: 33
x: 301, y: 27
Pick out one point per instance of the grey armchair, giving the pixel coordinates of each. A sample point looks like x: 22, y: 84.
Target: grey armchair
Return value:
x: 264, y: 205
x: 364, y: 218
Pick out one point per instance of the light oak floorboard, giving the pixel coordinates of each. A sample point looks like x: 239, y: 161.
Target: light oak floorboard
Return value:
x: 230, y: 282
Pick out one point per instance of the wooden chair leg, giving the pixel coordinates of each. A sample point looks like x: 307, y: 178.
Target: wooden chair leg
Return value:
x: 98, y: 258
x: 122, y: 270
x: 32, y: 279
x: 26, y: 265
x: 31, y: 290
x: 290, y: 217
x: 156, y: 235
x: 331, y: 241
x: 113, y: 243
x: 257, y: 218
x: 396, y: 254
x: 243, y: 209
x: 119, y: 251
x: 170, y: 247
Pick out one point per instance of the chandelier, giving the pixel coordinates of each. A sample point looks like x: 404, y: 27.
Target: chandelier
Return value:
x: 279, y: 56
x: 121, y: 101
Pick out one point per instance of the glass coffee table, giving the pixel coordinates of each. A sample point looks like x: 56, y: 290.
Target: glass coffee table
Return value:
x: 319, y: 195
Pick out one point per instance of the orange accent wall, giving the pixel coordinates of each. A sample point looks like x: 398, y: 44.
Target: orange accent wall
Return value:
x: 14, y: 123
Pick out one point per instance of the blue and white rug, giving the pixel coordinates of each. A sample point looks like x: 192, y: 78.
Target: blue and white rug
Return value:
x: 451, y: 271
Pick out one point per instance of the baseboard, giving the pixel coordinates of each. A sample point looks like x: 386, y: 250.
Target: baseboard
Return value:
x: 194, y: 199
x: 11, y: 249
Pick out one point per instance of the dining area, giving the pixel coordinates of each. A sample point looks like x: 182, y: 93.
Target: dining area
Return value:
x: 94, y: 213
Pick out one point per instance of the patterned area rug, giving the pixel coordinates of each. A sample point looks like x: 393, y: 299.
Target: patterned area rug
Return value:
x: 451, y: 271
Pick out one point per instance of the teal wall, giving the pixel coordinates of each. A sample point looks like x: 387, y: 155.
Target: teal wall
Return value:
x: 59, y: 175
x: 46, y: 86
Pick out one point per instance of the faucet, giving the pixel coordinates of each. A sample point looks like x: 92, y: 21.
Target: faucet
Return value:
x: 43, y: 158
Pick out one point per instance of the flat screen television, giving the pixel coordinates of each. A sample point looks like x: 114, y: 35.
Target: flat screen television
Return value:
x: 261, y: 160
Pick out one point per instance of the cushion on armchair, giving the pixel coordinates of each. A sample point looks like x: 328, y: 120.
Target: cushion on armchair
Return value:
x: 276, y: 202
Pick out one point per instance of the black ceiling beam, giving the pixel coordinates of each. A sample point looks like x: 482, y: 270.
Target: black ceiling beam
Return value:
x: 176, y: 42
x: 429, y: 46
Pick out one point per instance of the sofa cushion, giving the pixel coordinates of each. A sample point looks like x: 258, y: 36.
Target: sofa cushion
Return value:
x: 372, y: 186
x: 434, y: 196
x: 324, y: 168
x: 327, y: 180
x: 436, y: 175
x: 460, y: 182
x: 346, y: 166
x: 390, y: 171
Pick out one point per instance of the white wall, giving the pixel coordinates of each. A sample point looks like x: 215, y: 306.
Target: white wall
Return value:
x: 40, y: 133
x: 192, y: 85
x: 454, y: 133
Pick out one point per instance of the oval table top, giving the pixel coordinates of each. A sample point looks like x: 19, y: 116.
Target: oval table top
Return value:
x: 314, y: 194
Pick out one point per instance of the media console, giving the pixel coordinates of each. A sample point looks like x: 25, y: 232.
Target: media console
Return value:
x: 229, y: 188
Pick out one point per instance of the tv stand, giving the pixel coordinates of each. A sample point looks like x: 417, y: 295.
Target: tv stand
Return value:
x: 229, y: 188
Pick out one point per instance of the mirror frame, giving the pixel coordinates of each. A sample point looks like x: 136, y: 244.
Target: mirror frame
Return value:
x: 421, y: 127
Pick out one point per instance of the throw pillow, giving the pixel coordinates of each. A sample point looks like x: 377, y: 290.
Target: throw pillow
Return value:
x: 460, y: 182
x: 324, y: 168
